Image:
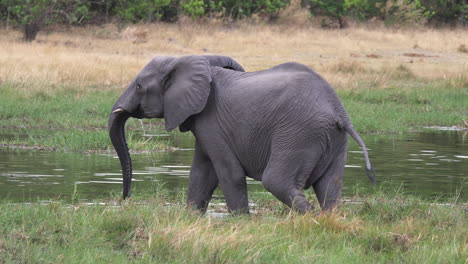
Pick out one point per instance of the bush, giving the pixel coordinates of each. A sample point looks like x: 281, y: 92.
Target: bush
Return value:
x: 404, y: 12
x: 336, y: 10
x: 234, y: 9
x: 446, y: 11
x: 244, y: 8
x: 32, y: 15
x: 392, y: 11
x: 194, y: 8
x: 140, y: 10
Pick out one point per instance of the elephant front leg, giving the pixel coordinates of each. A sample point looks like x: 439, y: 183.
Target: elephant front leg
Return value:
x: 203, y: 181
x: 233, y: 182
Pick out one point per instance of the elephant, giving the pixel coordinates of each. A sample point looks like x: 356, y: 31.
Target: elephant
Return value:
x: 284, y: 126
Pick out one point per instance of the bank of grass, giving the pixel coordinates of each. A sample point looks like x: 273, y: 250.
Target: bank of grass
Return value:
x: 67, y: 119
x: 56, y: 93
x: 406, y: 107
x: 72, y: 120
x: 382, y: 228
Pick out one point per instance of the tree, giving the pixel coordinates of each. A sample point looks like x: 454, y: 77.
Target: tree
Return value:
x: 140, y: 10
x: 335, y: 9
x: 32, y: 15
x: 446, y: 11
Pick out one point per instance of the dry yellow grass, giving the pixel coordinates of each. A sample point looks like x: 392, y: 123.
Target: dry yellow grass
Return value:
x: 104, y: 57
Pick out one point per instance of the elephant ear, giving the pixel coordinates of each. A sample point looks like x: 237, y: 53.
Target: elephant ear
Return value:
x: 224, y: 62
x: 186, y: 91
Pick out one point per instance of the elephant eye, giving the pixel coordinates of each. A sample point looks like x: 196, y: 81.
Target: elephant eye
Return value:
x: 138, y: 86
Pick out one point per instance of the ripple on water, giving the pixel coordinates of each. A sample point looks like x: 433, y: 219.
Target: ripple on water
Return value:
x: 106, y: 174
x: 353, y: 166
x: 106, y: 182
x: 449, y: 160
x: 26, y: 175
x: 427, y: 164
x: 120, y: 179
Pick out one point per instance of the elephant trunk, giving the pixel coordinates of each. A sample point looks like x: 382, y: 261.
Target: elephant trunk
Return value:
x: 116, y: 126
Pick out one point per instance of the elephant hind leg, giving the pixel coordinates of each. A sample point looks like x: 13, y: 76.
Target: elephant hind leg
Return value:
x: 329, y: 185
x: 285, y: 178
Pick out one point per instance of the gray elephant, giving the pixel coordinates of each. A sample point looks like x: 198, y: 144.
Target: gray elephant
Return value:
x: 284, y: 126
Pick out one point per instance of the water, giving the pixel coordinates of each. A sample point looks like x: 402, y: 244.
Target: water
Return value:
x: 429, y: 164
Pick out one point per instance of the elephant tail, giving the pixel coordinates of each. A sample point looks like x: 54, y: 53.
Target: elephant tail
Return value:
x: 370, y: 172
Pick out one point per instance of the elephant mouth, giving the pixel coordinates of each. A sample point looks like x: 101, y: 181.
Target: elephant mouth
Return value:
x: 135, y: 114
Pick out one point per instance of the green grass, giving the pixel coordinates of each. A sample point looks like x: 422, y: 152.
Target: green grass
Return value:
x: 68, y: 119
x: 384, y: 228
x: 403, y: 108
x: 76, y: 119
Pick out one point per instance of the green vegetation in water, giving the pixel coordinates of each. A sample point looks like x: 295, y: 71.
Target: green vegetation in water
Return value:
x: 76, y: 119
x: 400, y: 108
x: 68, y: 119
x: 384, y: 228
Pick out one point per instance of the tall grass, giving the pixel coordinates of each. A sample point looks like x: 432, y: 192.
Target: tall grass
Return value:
x: 99, y: 57
x: 382, y: 229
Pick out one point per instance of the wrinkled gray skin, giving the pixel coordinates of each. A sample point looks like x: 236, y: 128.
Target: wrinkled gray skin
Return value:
x: 284, y: 126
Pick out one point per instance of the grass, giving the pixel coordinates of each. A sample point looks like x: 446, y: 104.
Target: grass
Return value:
x: 105, y: 56
x: 383, y: 228
x: 400, y: 109
x: 67, y: 119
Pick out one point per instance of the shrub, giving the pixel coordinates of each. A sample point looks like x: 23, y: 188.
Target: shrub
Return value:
x: 194, y: 8
x: 32, y: 15
x: 140, y: 10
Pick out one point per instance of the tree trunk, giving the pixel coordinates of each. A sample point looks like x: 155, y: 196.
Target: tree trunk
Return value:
x: 8, y: 20
x: 30, y: 31
x: 342, y: 22
x: 150, y: 17
x: 107, y: 12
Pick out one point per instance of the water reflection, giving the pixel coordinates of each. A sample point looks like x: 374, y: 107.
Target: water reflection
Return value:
x: 431, y: 164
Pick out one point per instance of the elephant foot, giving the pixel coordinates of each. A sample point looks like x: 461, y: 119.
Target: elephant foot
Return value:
x: 240, y: 211
x: 301, y: 205
x: 330, y: 205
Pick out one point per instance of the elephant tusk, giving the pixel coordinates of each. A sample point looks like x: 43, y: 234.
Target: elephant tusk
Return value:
x: 118, y: 110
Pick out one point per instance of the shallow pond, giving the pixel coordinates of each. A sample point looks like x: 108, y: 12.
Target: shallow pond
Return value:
x: 429, y: 164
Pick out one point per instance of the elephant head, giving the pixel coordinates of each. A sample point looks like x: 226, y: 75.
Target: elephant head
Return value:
x: 167, y: 87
